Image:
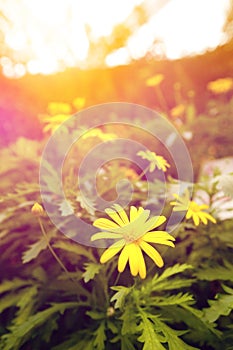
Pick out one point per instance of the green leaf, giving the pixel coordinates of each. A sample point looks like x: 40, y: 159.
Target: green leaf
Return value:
x: 75, y: 248
x: 176, y: 299
x: 100, y: 337
x: 148, y: 335
x: 222, y: 306
x: 26, y: 304
x: 87, y: 204
x: 9, y: 285
x: 19, y: 334
x: 120, y: 296
x: 34, y: 250
x: 218, y: 272
x: 91, y: 269
x: 163, y: 282
x: 129, y: 321
x: 66, y: 208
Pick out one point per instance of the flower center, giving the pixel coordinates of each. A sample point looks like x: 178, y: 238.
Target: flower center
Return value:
x: 194, y: 207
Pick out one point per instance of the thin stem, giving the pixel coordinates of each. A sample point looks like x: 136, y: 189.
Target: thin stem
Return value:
x: 117, y: 279
x: 142, y: 173
x: 51, y: 249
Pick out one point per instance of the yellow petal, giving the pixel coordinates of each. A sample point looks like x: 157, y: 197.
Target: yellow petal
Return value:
x: 152, y: 253
x: 112, y: 251
x: 141, y: 263
x: 159, y: 239
x: 133, y: 258
x: 122, y: 214
x: 157, y: 235
x: 189, y: 214
x: 105, y: 224
x: 210, y: 217
x: 156, y: 221
x: 203, y: 218
x: 196, y: 219
x: 123, y: 258
x: 133, y: 213
x: 114, y: 215
x: 105, y: 235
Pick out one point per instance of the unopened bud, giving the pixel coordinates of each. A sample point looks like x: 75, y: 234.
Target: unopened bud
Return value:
x: 37, y: 210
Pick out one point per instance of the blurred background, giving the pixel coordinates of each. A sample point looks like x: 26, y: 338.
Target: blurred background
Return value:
x: 175, y: 56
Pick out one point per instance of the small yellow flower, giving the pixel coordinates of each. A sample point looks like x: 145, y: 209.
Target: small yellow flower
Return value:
x: 194, y: 210
x: 37, y: 209
x: 177, y: 111
x: 104, y: 136
x: 79, y: 103
x: 133, y: 234
x: 129, y: 172
x: 59, y: 108
x: 220, y: 86
x: 155, y: 80
x: 155, y: 160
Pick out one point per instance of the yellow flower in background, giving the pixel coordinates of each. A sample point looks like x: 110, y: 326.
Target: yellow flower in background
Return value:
x: 129, y: 172
x: 155, y: 160
x: 37, y: 209
x: 177, y: 111
x: 104, y: 136
x: 155, y: 80
x: 194, y: 210
x: 59, y: 108
x: 133, y: 234
x: 220, y: 86
x: 79, y: 102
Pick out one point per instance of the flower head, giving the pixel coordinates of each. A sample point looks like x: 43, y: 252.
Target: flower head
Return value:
x: 194, y: 210
x: 220, y: 86
x: 155, y: 80
x: 133, y: 235
x: 155, y: 160
x: 178, y: 111
x: 37, y: 209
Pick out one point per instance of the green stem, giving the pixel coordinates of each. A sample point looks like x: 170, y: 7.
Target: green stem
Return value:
x: 142, y: 174
x: 51, y: 249
x: 117, y: 279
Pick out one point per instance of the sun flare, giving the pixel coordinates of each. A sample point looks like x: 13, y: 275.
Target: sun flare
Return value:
x: 48, y: 36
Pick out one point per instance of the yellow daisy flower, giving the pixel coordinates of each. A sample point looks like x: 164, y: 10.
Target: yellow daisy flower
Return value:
x: 220, y: 86
x: 194, y: 210
x: 133, y: 234
x: 155, y: 160
x: 178, y: 111
x: 155, y: 80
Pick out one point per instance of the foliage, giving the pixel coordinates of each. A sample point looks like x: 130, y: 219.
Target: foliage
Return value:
x: 81, y: 303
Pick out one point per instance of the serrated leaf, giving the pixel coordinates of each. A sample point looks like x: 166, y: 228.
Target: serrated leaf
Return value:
x: 86, y: 204
x: 74, y: 248
x: 19, y: 334
x: 91, y: 269
x: 26, y: 304
x: 149, y: 336
x: 9, y: 285
x: 120, y: 296
x: 100, y: 337
x: 34, y: 250
x: 222, y: 306
x: 66, y: 208
x: 163, y: 282
x: 129, y: 321
x: 176, y: 299
x: 224, y: 273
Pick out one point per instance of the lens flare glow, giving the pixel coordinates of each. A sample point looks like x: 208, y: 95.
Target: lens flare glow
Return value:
x: 48, y: 36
